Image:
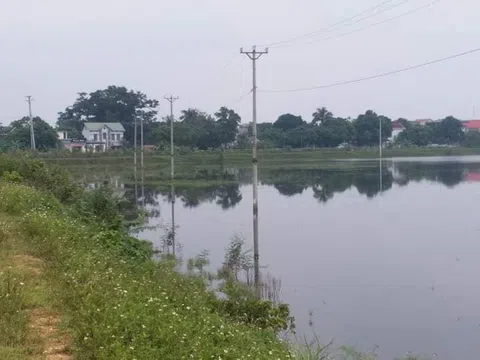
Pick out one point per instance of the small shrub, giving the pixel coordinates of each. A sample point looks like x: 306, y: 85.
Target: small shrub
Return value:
x: 12, y: 176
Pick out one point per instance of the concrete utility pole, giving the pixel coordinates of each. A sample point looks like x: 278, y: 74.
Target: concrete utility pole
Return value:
x: 32, y: 133
x: 173, y: 218
x: 380, y: 152
x: 380, y: 137
x: 135, y: 144
x: 254, y: 55
x: 171, y: 99
x: 141, y: 142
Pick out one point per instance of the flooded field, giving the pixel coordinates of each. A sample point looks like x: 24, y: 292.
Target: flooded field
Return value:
x: 380, y: 256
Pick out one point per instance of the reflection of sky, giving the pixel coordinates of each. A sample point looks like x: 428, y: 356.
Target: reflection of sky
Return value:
x: 395, y: 270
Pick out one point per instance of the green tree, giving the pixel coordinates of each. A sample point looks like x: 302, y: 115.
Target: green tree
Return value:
x: 367, y: 128
x: 227, y: 125
x: 288, y: 122
x: 321, y: 115
x: 45, y: 135
x: 334, y: 131
x: 406, y: 124
x: 449, y: 131
x: 472, y: 139
x: 270, y: 136
x: 302, y: 136
x: 416, y: 134
x: 198, y: 130
x: 113, y: 104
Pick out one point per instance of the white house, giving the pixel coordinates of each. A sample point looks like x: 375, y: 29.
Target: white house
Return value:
x: 70, y: 144
x: 397, y: 129
x: 103, y: 136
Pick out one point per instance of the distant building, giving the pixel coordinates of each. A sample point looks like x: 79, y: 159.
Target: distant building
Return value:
x: 103, y: 136
x: 243, y: 129
x: 70, y: 144
x: 62, y: 135
x: 471, y: 125
x: 397, y: 129
x: 423, y: 122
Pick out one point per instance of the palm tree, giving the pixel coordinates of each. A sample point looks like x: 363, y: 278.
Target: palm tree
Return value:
x: 320, y: 115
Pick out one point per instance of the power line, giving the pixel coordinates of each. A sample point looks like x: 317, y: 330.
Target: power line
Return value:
x: 240, y: 98
x: 375, y: 76
x: 341, y: 22
x: 372, y: 25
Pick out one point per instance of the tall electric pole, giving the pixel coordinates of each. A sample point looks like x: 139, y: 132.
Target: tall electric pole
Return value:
x: 141, y: 142
x: 254, y: 55
x: 380, y: 137
x: 171, y: 99
x: 380, y: 151
x: 32, y: 133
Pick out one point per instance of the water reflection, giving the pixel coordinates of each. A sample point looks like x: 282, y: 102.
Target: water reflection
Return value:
x: 365, y: 271
x: 369, y: 179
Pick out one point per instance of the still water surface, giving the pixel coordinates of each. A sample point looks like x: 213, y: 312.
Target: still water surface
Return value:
x: 383, y: 260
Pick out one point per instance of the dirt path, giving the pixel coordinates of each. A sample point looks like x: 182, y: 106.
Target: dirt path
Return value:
x: 44, y: 322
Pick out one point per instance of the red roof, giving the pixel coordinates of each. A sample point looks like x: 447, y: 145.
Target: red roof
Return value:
x: 471, y: 176
x: 397, y: 126
x: 472, y: 124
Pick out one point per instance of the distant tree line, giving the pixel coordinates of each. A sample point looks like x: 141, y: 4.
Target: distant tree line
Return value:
x: 325, y: 130
x: 198, y: 130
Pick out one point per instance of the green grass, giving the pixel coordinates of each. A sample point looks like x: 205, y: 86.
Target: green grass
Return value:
x: 20, y: 292
x: 244, y: 157
x: 123, y: 307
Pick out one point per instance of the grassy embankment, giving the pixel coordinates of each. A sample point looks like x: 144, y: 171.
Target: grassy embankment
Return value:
x: 266, y: 157
x: 101, y: 287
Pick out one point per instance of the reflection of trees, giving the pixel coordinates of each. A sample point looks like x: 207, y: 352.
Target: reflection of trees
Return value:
x: 194, y: 196
x: 448, y: 173
x: 225, y: 195
x: 325, y: 183
x: 132, y: 203
x: 330, y: 182
x: 368, y: 183
x: 228, y: 196
x: 290, y: 188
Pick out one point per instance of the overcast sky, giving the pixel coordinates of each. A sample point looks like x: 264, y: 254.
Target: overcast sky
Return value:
x: 53, y: 49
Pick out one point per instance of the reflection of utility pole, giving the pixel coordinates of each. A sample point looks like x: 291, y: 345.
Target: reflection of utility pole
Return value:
x: 173, y: 218
x: 143, y: 187
x: 135, y: 144
x: 254, y: 55
x: 171, y: 100
x: 32, y: 133
x: 141, y: 142
x: 381, y: 176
